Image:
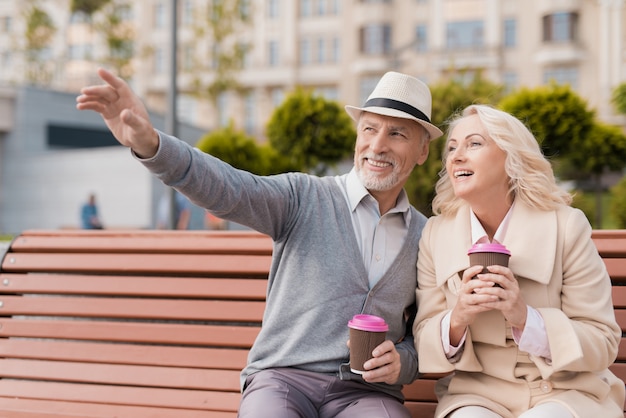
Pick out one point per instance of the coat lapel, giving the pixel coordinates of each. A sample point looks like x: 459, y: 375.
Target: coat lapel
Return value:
x: 529, y: 258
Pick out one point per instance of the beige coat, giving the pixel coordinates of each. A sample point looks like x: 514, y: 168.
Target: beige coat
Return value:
x: 561, y: 275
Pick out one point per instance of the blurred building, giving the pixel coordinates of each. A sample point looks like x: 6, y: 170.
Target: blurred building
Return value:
x: 340, y: 48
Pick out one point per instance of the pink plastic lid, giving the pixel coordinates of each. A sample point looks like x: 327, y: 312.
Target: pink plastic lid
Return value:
x: 368, y: 323
x: 488, y: 248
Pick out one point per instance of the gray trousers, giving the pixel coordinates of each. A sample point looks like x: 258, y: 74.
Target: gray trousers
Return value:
x: 291, y: 393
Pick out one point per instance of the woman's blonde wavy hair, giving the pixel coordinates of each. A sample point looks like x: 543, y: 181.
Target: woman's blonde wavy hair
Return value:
x: 531, y: 178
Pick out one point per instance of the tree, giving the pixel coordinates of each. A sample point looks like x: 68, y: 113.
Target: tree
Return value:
x: 448, y: 97
x: 569, y: 133
x: 219, y: 25
x: 603, y: 149
x: 40, y: 31
x: 311, y: 131
x: 242, y: 151
x: 618, y: 203
x: 556, y: 115
x: 619, y: 98
x: 107, y: 18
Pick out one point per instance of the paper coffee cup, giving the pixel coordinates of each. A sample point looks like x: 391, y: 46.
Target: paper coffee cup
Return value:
x: 366, y: 333
x: 489, y: 255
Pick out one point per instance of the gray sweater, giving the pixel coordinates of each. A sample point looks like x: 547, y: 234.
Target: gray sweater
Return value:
x: 317, y: 280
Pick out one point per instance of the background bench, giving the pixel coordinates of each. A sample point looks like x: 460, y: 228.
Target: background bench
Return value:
x: 153, y: 323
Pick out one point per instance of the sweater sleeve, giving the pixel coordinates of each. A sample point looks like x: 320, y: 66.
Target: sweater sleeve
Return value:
x: 263, y: 203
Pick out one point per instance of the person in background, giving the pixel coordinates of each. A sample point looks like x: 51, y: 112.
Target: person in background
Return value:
x: 536, y: 338
x: 89, y: 214
x: 182, y: 211
x: 343, y: 245
x: 214, y: 223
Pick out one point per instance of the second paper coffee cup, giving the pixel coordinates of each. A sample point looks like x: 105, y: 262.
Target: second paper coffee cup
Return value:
x: 366, y: 333
x: 489, y: 255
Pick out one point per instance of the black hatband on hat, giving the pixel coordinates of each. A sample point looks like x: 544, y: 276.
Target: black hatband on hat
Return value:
x: 395, y: 104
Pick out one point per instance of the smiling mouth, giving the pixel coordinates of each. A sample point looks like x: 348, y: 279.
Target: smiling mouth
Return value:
x: 463, y: 173
x: 379, y: 164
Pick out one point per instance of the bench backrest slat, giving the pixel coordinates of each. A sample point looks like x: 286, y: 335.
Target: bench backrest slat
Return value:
x: 159, y: 264
x: 134, y: 308
x: 107, y: 353
x: 143, y: 332
x: 145, y: 286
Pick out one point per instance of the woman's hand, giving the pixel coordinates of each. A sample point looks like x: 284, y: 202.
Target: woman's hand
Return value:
x: 509, y: 297
x: 472, y: 299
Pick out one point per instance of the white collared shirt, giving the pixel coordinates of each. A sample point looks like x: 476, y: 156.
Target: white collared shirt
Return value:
x: 380, y: 238
x: 534, y: 338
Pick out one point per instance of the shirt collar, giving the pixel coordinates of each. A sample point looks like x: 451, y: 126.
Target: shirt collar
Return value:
x: 480, y: 235
x: 357, y: 193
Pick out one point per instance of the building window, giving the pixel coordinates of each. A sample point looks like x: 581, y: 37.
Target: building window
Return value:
x: 188, y: 57
x: 277, y: 96
x: 272, y: 9
x: 273, y: 54
x: 333, y: 7
x: 245, y: 56
x: 510, y: 33
x: 366, y: 86
x: 249, y: 114
x: 5, y: 60
x: 187, y: 13
x: 336, y: 50
x: 186, y: 105
x: 321, y: 7
x: 561, y: 75
x: 159, y: 15
x: 321, y: 50
x: 244, y: 9
x: 421, y: 38
x: 465, y: 35
x: 509, y: 79
x: 159, y: 61
x: 305, y: 52
x: 560, y: 27
x: 5, y: 24
x: 376, y: 39
x: 79, y: 18
x: 222, y: 109
x: 329, y: 93
x: 79, y: 52
x: 124, y: 12
x: 306, y: 8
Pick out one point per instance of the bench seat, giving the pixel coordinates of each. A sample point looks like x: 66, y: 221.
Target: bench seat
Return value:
x: 154, y: 323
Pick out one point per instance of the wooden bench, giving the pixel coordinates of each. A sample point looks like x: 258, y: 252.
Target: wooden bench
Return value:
x: 153, y: 323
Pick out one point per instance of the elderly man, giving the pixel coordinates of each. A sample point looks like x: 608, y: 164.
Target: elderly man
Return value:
x: 343, y: 245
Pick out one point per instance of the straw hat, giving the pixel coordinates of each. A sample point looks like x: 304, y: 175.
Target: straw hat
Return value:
x: 400, y: 96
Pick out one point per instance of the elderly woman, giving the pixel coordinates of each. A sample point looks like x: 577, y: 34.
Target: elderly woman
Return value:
x: 536, y: 338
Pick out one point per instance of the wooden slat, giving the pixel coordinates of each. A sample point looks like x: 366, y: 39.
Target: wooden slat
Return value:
x: 421, y: 409
x: 155, y: 333
x: 158, y: 234
x: 134, y: 308
x: 177, y: 244
x: 421, y: 390
x: 174, y: 287
x: 159, y: 264
x: 121, y: 395
x: 619, y: 296
x: 122, y: 374
x: 139, y: 354
x: 617, y: 269
x: 16, y: 407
